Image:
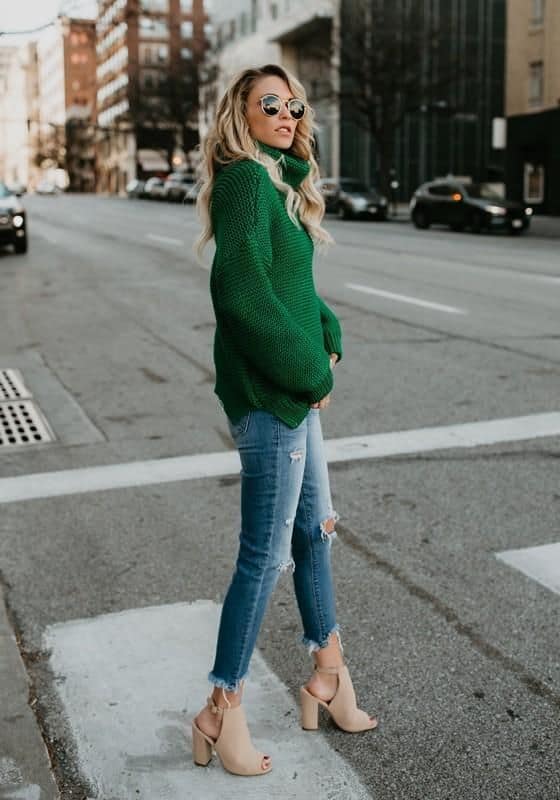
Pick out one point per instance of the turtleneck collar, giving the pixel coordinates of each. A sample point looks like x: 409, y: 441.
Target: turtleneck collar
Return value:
x: 294, y: 169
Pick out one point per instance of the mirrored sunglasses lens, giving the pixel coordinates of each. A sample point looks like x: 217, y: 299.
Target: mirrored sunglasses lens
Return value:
x: 297, y: 109
x: 270, y: 105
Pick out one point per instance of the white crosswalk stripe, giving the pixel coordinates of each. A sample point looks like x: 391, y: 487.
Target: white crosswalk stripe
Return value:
x: 183, y: 468
x: 542, y: 563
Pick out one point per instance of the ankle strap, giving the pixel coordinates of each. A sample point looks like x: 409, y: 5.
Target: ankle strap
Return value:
x: 219, y: 710
x: 329, y: 670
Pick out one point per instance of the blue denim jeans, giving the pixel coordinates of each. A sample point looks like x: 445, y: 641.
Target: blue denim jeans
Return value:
x: 285, y: 509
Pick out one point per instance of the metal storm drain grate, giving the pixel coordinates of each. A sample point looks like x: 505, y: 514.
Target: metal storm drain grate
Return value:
x: 21, y: 422
x: 11, y: 385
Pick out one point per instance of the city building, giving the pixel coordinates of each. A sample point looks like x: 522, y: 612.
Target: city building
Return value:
x: 67, y: 101
x: 446, y: 126
x: 450, y: 81
x: 6, y: 55
x: 18, y: 115
x: 7, y: 52
x: 300, y: 36
x: 148, y: 53
x: 533, y: 103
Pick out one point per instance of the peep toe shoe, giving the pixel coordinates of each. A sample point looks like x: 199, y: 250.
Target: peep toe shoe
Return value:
x: 342, y: 708
x: 233, y: 745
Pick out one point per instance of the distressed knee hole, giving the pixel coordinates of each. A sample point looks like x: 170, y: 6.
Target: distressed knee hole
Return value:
x: 328, y: 528
x: 296, y: 455
x: 287, y: 566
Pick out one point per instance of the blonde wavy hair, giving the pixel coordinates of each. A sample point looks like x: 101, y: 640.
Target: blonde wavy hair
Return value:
x: 229, y: 140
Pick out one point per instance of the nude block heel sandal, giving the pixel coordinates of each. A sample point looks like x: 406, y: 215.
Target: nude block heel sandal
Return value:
x: 202, y: 747
x: 342, y: 708
x: 233, y: 745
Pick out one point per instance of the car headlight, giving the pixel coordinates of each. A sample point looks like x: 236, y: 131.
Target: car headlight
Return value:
x: 17, y: 220
x: 359, y: 202
x: 529, y: 211
x: 497, y: 210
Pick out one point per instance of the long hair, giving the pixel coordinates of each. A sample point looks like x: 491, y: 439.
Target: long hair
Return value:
x: 229, y: 140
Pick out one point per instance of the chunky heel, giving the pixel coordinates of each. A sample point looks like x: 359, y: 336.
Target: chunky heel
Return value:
x: 201, y: 747
x: 309, y: 711
x: 233, y: 745
x: 342, y: 708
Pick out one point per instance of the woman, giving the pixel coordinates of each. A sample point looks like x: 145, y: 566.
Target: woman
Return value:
x: 275, y: 345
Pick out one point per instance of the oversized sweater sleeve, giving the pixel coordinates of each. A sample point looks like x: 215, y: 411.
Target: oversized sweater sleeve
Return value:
x: 258, y: 322
x: 332, y: 333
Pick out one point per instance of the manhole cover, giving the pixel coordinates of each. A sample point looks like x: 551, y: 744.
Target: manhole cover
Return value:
x: 12, y: 386
x: 21, y: 423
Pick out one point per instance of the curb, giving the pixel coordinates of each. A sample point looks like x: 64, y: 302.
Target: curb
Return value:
x: 24, y: 762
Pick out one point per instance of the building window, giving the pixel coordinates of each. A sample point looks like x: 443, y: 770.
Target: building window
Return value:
x: 533, y: 183
x: 537, y: 12
x: 145, y: 54
x: 186, y: 5
x: 151, y: 79
x: 186, y: 30
x: 244, y: 24
x: 162, y: 54
x: 153, y: 28
x: 186, y: 54
x: 155, y: 5
x: 536, y: 75
x: 274, y: 10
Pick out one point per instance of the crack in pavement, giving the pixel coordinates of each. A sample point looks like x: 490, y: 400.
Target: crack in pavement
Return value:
x: 534, y: 684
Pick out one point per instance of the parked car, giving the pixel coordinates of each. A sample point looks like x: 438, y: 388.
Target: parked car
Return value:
x: 18, y: 188
x: 177, y: 186
x: 46, y: 188
x: 192, y: 194
x: 329, y: 188
x: 467, y: 205
x: 13, y: 223
x: 135, y: 188
x: 154, y: 188
x: 350, y: 199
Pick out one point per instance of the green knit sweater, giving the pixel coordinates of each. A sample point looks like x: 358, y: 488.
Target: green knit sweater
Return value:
x: 273, y: 333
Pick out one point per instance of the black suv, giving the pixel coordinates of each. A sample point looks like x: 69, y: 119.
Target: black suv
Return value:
x: 467, y: 205
x: 13, y: 228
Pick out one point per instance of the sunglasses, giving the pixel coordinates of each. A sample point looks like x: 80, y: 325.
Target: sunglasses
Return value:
x: 271, y: 105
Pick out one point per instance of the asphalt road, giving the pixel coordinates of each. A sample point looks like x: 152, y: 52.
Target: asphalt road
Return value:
x: 108, y: 318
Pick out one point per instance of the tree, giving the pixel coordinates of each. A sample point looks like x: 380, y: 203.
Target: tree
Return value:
x: 166, y: 108
x: 395, y: 59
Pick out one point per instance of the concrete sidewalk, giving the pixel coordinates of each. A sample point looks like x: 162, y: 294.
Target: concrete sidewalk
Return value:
x: 25, y: 772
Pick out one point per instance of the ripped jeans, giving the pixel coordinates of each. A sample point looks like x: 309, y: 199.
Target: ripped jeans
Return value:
x: 287, y: 523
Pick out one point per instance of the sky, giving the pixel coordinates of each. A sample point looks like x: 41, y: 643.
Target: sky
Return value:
x: 16, y: 15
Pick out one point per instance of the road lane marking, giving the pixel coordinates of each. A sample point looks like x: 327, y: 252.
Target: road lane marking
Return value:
x: 165, y: 239
x: 209, y: 465
x: 402, y: 298
x: 542, y: 563
x: 443, y: 263
x: 141, y: 674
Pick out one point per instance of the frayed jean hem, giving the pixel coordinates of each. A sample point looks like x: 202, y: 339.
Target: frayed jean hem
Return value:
x: 227, y: 686
x: 313, y: 646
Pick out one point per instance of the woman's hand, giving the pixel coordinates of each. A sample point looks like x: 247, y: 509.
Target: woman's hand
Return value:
x: 322, y: 403
x: 327, y: 399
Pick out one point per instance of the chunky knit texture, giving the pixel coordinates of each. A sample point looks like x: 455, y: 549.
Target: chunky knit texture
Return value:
x: 273, y: 333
